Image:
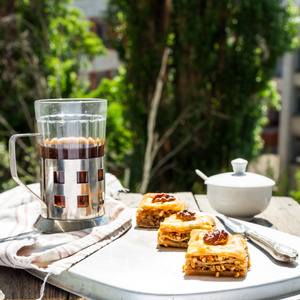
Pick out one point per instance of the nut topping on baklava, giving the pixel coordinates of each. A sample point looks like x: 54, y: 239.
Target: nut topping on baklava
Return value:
x: 186, y: 215
x: 163, y: 198
x: 216, y: 237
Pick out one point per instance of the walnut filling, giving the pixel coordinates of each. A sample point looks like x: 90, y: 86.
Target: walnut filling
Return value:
x: 217, y: 264
x: 152, y: 218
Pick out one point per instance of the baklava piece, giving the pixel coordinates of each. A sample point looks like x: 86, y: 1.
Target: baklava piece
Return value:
x: 175, y: 230
x: 154, y: 208
x: 216, y: 253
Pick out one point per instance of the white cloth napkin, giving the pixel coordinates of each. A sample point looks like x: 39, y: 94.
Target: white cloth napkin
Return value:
x: 22, y: 247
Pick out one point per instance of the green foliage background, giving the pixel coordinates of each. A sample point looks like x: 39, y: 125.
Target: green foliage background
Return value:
x: 223, y: 58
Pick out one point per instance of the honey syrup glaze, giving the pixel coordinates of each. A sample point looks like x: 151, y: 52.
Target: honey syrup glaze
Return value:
x: 72, y: 148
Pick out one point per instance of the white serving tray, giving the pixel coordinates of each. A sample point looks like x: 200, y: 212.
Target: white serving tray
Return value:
x: 134, y: 267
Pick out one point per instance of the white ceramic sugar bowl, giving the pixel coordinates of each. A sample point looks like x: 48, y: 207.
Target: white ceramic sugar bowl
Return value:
x: 238, y: 194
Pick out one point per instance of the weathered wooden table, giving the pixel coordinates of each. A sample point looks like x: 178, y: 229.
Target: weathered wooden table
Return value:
x: 283, y: 214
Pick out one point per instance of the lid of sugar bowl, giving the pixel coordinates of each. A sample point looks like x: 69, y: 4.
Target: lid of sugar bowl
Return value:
x: 239, y: 178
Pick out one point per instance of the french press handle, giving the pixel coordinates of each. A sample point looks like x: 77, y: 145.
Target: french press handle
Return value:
x: 13, y: 163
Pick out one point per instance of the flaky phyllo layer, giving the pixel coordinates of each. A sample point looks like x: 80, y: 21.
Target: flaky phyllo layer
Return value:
x: 228, y: 259
x: 175, y: 231
x: 154, y: 208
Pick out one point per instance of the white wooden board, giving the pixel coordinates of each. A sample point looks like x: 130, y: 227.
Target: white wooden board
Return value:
x: 134, y: 267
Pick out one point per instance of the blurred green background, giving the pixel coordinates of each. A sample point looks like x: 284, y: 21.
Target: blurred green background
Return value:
x: 193, y: 87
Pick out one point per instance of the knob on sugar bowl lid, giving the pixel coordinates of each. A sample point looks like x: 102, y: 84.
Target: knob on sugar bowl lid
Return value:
x: 239, y: 165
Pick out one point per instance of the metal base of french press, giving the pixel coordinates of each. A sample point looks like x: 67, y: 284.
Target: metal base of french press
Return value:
x: 56, y: 226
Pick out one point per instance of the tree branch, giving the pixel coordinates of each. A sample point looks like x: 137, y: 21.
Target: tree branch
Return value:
x: 152, y: 121
x: 175, y: 150
x: 169, y: 132
x: 170, y: 154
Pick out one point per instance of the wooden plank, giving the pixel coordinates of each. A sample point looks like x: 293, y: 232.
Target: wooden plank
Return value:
x: 282, y: 214
x: 18, y: 284
x: 133, y: 200
x: 204, y: 204
x: 189, y: 200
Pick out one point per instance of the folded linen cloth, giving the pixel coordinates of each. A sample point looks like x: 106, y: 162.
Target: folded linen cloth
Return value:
x: 22, y: 247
